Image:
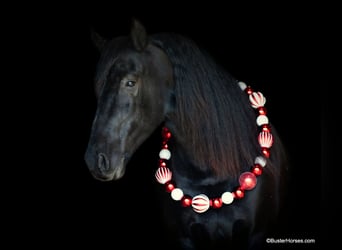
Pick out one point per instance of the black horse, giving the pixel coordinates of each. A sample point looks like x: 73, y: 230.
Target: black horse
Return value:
x: 221, y: 162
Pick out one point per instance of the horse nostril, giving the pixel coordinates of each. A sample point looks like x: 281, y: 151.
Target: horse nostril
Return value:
x: 102, y: 162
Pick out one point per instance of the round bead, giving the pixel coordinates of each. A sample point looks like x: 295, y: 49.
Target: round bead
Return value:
x: 248, y: 90
x: 257, y: 170
x: 262, y: 111
x: 216, y: 203
x: 247, y: 181
x: 227, y: 197
x: 260, y: 160
x: 200, y: 203
x: 266, y: 152
x: 177, y: 194
x: 162, y: 163
x: 261, y: 120
x: 239, y: 193
x: 186, y: 201
x: 266, y: 128
x: 165, y: 154
x: 242, y: 85
x: 169, y: 186
x: 166, y: 133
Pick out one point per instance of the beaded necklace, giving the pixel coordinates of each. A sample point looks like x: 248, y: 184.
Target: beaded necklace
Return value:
x: 247, y: 180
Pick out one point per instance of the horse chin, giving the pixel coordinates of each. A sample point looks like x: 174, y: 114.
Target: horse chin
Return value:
x: 116, y: 174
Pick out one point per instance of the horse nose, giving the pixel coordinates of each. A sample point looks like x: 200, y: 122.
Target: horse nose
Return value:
x: 102, y: 163
x: 105, y: 167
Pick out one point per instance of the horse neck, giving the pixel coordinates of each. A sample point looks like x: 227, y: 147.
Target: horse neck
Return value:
x: 185, y: 168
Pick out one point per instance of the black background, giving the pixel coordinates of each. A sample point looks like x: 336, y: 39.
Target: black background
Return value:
x: 54, y: 200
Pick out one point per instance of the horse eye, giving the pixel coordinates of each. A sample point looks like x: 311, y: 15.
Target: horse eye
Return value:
x: 130, y: 83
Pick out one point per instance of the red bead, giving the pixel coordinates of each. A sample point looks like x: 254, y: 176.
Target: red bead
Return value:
x: 186, y: 201
x: 162, y: 163
x: 249, y: 90
x: 239, y: 193
x: 169, y: 186
x: 257, y: 170
x: 266, y: 128
x: 266, y: 152
x: 166, y: 134
x: 247, y: 181
x: 262, y: 110
x: 216, y: 203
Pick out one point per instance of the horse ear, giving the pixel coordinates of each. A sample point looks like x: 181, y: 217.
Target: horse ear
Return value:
x: 98, y: 40
x: 138, y: 35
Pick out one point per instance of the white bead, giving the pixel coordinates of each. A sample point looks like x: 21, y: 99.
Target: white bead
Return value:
x: 227, y: 197
x: 177, y: 194
x: 165, y: 154
x: 261, y: 120
x: 242, y: 85
x: 200, y: 203
x: 260, y: 160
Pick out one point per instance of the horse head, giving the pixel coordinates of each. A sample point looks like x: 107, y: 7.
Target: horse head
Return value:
x: 133, y: 85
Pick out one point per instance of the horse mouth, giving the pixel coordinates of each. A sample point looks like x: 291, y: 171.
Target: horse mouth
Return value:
x: 108, y: 177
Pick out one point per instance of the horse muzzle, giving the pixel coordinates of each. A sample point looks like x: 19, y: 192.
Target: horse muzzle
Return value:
x: 104, y: 168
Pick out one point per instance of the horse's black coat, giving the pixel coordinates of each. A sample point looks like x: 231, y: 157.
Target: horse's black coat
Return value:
x: 144, y: 82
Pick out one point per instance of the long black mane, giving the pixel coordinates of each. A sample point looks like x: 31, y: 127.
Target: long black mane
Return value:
x: 212, y: 114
